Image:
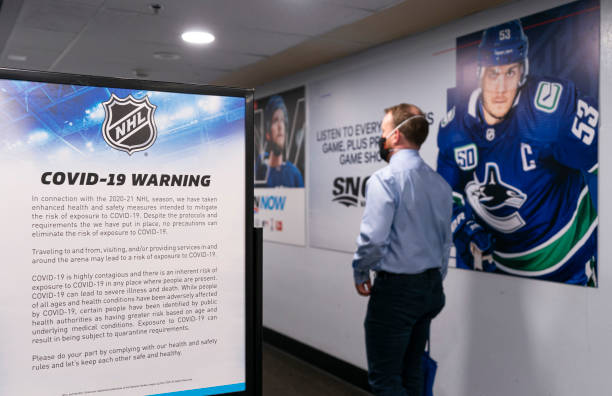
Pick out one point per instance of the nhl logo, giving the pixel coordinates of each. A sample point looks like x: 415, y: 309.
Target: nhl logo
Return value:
x: 490, y: 134
x: 128, y: 123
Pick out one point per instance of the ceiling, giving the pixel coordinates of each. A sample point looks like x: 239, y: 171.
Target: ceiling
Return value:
x: 257, y: 41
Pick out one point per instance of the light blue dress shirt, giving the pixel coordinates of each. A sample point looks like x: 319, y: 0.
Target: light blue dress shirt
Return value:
x: 406, y: 225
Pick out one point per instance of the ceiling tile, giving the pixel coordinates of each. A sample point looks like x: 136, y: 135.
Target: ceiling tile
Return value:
x: 91, y: 3
x: 37, y: 59
x: 121, y: 70
x: 220, y: 59
x: 286, y: 16
x: 23, y: 37
x: 300, y: 18
x: 121, y: 26
x: 102, y: 68
x: 9, y: 16
x: 303, y: 56
x: 89, y: 51
x: 373, y: 5
x: 144, y: 6
x: 61, y: 16
x: 257, y: 42
x: 147, y: 28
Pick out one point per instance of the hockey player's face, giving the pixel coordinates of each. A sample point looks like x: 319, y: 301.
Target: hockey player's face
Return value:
x: 276, y: 134
x: 499, y: 87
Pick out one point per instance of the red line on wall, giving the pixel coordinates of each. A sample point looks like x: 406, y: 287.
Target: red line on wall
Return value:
x: 573, y: 14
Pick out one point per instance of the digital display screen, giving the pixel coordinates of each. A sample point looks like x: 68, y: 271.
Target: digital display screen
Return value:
x: 123, y: 241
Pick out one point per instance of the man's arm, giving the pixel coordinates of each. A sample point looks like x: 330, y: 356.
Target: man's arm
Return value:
x: 577, y: 139
x: 372, y: 241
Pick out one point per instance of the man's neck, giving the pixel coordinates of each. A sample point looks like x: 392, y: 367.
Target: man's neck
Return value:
x: 400, y: 147
x: 275, y: 161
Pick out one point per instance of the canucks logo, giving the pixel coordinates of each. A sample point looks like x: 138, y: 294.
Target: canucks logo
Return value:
x: 493, y: 195
x: 547, y: 96
x: 128, y: 123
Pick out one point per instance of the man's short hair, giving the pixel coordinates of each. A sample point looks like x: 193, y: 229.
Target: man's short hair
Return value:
x: 415, y: 130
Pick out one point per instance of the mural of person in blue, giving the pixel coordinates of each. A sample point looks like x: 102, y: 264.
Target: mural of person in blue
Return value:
x: 273, y: 167
x: 520, y: 153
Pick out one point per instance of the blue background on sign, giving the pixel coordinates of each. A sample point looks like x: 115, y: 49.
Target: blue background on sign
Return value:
x: 216, y: 390
x: 54, y: 120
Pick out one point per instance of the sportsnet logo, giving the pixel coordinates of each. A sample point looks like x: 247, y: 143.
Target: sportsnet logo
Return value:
x: 263, y: 203
x: 350, y: 191
x: 269, y: 203
x: 271, y: 224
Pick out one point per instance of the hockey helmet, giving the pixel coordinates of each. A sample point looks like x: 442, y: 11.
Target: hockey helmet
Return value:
x: 503, y: 44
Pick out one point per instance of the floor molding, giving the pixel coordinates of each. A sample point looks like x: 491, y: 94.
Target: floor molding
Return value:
x: 336, y: 367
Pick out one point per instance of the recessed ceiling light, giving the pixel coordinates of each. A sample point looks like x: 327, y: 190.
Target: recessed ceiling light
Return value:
x: 17, y: 58
x: 198, y: 37
x: 166, y: 55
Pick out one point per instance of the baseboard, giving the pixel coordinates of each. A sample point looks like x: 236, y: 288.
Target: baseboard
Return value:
x: 336, y: 367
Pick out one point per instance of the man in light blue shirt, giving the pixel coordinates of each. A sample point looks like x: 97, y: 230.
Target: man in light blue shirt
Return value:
x: 405, y: 237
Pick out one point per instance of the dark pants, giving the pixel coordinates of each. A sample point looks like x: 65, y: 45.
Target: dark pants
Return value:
x: 400, y: 311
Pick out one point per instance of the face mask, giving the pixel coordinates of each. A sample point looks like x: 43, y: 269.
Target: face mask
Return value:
x: 384, y: 152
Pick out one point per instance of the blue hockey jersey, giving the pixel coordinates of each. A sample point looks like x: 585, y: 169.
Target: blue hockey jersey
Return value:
x: 286, y: 175
x: 526, y: 179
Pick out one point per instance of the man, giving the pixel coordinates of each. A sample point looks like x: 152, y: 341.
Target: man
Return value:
x: 276, y: 171
x: 405, y: 237
x: 521, y: 156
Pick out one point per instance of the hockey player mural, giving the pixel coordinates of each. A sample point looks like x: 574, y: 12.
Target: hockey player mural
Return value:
x: 279, y: 199
x: 279, y: 156
x: 519, y: 150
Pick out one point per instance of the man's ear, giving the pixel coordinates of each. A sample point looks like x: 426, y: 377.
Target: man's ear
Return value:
x: 395, y: 139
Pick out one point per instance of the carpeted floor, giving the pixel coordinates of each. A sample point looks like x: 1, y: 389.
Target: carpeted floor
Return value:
x: 284, y: 375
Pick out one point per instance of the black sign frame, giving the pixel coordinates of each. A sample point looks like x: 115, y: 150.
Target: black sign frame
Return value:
x: 252, y: 284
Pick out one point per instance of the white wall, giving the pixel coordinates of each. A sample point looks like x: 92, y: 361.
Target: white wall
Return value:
x: 498, y: 335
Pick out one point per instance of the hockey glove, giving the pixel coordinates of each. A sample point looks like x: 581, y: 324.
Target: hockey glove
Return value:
x: 469, y: 236
x: 473, y: 232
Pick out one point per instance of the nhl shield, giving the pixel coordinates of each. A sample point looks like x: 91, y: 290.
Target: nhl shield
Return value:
x: 129, y: 124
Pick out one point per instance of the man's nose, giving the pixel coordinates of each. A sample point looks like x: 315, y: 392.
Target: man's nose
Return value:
x: 500, y: 83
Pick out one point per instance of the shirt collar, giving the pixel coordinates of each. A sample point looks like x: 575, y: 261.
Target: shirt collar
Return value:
x: 404, y: 154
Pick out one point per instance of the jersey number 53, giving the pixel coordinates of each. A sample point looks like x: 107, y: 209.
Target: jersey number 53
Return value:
x: 585, y: 122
